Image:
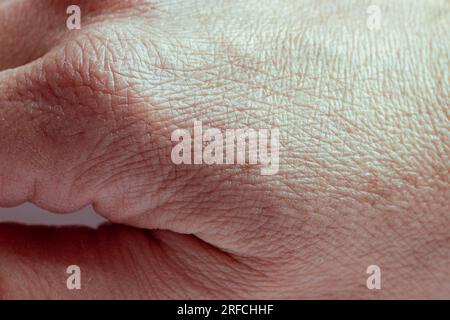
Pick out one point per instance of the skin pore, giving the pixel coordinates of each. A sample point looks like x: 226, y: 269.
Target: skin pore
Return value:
x: 87, y: 117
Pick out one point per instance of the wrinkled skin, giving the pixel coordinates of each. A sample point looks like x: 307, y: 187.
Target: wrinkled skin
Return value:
x: 86, y: 117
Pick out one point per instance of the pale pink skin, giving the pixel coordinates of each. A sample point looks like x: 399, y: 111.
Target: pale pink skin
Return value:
x: 86, y: 117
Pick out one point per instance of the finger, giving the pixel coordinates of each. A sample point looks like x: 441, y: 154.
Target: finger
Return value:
x: 117, y: 262
x: 52, y: 113
x: 48, y: 129
x: 29, y: 28
x: 62, y: 115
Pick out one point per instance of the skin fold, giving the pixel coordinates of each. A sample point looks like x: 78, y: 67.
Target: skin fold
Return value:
x: 87, y: 115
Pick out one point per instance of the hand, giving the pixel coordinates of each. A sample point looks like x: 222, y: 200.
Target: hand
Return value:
x: 87, y: 118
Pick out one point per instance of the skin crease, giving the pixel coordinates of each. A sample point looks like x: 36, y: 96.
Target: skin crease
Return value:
x: 86, y: 117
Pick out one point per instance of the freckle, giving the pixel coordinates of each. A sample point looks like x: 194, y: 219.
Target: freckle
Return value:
x: 349, y: 130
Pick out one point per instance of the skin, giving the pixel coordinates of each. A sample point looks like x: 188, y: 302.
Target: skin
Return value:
x: 86, y: 118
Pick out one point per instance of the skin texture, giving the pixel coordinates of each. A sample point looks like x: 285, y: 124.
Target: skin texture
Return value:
x: 86, y: 117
